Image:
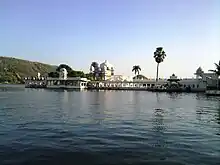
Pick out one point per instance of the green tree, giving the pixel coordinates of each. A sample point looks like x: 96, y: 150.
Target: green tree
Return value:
x: 95, y: 70
x: 8, y: 77
x: 140, y: 77
x: 159, y: 56
x: 217, y: 72
x: 67, y: 67
x: 53, y: 74
x: 74, y: 73
x: 136, y: 69
x: 89, y: 76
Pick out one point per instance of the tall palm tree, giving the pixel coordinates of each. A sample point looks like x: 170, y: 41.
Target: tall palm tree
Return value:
x: 159, y: 56
x: 217, y: 72
x: 136, y: 69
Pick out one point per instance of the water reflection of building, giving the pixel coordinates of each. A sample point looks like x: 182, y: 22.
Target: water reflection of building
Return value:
x: 97, y: 102
x: 207, y: 109
x: 159, y: 128
x: 218, y: 118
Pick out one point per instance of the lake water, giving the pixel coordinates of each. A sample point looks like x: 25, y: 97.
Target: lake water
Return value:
x: 39, y: 126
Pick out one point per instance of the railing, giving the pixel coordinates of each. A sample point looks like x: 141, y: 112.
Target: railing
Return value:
x: 69, y: 78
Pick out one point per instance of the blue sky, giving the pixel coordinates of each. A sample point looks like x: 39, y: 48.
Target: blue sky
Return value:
x: 125, y: 32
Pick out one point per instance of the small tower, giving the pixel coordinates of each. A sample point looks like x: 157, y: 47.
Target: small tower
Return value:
x: 38, y: 75
x: 173, y: 81
x: 63, y: 73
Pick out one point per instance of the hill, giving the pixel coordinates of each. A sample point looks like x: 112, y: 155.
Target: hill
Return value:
x: 13, y: 70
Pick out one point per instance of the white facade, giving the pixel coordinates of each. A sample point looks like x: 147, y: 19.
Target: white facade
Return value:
x: 68, y: 83
x: 120, y: 78
x: 106, y: 69
x: 198, y: 84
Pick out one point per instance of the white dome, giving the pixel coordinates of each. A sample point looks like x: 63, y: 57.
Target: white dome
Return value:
x: 106, y: 65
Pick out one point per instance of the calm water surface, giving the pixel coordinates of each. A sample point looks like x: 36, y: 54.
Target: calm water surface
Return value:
x: 112, y: 127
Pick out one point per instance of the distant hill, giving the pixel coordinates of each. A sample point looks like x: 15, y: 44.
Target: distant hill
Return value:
x: 13, y: 70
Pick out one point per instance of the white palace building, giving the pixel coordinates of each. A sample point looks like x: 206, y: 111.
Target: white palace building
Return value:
x: 198, y: 84
x: 111, y: 81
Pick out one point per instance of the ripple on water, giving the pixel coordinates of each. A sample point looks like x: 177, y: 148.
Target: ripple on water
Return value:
x: 61, y: 127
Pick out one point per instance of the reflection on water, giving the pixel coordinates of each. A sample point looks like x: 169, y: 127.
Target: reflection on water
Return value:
x: 98, y: 101
x: 108, y: 127
x: 159, y: 127
x: 158, y: 123
x: 158, y: 117
x: 174, y: 95
x: 218, y: 116
x: 158, y: 120
x: 158, y: 97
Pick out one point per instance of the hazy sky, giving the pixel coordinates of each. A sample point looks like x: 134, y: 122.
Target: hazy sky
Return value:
x: 125, y: 32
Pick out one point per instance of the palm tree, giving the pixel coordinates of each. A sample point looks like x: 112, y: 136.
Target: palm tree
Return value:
x: 217, y: 72
x: 136, y: 69
x: 159, y: 56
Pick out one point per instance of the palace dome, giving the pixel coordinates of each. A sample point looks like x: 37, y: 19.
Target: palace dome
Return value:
x: 106, y: 65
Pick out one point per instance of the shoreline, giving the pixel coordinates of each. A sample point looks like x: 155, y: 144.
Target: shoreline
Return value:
x: 122, y: 89
x: 11, y: 84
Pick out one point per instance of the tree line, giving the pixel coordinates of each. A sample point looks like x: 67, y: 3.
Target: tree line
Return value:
x: 71, y: 72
